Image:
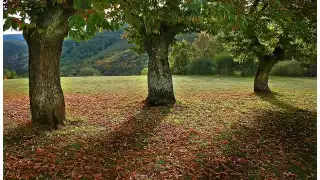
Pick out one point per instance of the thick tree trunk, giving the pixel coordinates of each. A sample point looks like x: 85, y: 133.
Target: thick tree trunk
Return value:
x: 264, y: 68
x: 262, y: 75
x: 45, y: 45
x: 160, y: 86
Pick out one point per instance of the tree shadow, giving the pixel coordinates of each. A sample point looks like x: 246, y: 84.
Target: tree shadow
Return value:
x: 101, y: 152
x: 272, y: 99
x: 267, y: 144
x: 132, y: 133
x: 294, y: 127
x: 278, y: 144
x: 109, y: 150
x: 20, y: 134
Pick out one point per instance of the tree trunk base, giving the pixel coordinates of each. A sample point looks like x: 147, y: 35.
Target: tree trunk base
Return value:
x: 49, y: 118
x: 262, y: 90
x: 45, y: 127
x: 160, y: 101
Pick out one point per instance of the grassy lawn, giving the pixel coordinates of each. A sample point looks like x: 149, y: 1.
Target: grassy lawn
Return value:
x: 219, y: 129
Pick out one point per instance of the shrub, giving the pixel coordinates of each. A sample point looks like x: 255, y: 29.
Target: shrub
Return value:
x: 89, y: 71
x: 144, y: 71
x: 287, y: 68
x: 8, y: 74
x: 223, y: 64
x: 247, y: 68
x: 201, y: 67
x: 180, y: 57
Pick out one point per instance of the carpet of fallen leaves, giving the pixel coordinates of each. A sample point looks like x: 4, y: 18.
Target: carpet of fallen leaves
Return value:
x: 219, y: 129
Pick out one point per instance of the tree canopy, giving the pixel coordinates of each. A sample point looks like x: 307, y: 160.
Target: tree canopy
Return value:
x: 271, y: 24
x: 88, y: 16
x: 159, y: 18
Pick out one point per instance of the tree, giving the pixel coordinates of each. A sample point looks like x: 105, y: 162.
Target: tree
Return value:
x: 272, y: 30
x: 152, y: 27
x: 206, y: 46
x: 45, y: 24
x: 180, y: 57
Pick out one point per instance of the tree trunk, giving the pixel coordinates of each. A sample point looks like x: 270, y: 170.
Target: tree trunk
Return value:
x: 160, y: 86
x: 262, y: 75
x: 264, y: 68
x: 45, y: 46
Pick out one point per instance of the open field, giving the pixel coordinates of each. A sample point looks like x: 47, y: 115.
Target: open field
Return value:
x: 219, y: 129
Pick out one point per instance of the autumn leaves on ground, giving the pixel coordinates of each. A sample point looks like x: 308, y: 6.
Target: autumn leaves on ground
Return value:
x: 218, y: 129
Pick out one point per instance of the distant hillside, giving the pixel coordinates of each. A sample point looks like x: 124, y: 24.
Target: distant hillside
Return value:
x: 107, y: 52
x: 15, y: 56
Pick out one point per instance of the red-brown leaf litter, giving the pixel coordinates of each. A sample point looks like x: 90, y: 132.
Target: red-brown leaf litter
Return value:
x: 208, y: 134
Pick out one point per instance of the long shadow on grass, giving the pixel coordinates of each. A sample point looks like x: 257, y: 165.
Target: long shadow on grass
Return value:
x: 294, y: 126
x: 277, y: 144
x: 19, y: 134
x: 272, y: 99
x: 101, y: 152
x: 132, y: 133
x: 124, y: 141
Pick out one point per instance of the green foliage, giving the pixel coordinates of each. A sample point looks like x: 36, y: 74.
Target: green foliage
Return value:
x: 110, y: 55
x: 9, y: 74
x: 247, y: 68
x: 86, y: 17
x: 77, y: 51
x: 70, y: 70
x: 144, y: 71
x: 201, y: 67
x: 180, y: 57
x: 203, y: 48
x: 223, y: 64
x: 284, y: 24
x: 189, y: 37
x: 288, y: 68
x: 206, y: 46
x: 15, y: 56
x: 122, y: 63
x: 106, y: 52
x: 89, y: 71
x: 167, y: 18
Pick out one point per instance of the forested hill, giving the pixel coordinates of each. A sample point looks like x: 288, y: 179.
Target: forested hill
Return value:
x: 105, y: 54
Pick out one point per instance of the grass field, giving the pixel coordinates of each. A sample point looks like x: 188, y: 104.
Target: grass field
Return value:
x: 219, y: 129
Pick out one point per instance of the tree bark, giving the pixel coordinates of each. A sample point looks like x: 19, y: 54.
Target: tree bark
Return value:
x: 160, y: 86
x: 264, y: 68
x: 262, y: 75
x: 45, y: 46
